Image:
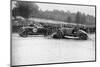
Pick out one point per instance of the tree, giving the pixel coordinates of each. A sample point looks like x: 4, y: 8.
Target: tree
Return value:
x: 25, y: 9
x: 78, y: 17
x: 83, y: 19
x: 69, y: 19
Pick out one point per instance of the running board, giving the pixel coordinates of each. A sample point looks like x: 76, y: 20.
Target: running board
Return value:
x: 70, y: 37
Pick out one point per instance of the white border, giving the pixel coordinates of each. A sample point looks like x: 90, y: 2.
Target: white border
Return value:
x: 5, y: 33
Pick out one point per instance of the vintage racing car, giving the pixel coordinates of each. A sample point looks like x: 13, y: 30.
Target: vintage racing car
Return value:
x: 58, y: 33
x: 70, y: 33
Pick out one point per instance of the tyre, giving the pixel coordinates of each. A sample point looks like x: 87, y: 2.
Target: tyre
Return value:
x: 58, y: 35
x: 83, y: 36
x: 20, y: 30
x: 23, y: 34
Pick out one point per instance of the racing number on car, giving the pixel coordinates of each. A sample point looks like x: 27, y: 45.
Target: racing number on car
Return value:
x: 34, y: 30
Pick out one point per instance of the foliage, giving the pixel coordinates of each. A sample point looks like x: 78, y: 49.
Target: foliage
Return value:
x: 68, y: 17
x: 25, y: 9
x: 28, y: 9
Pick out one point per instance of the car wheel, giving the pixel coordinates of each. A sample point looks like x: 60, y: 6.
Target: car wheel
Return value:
x: 83, y: 36
x: 23, y: 34
x: 58, y: 35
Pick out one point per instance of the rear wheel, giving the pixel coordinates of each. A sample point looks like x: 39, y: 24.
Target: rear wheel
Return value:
x: 23, y: 34
x: 58, y: 35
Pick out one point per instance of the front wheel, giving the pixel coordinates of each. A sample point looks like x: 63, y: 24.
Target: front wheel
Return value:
x: 83, y: 36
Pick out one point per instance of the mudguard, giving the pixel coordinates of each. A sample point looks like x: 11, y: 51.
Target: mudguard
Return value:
x: 82, y: 35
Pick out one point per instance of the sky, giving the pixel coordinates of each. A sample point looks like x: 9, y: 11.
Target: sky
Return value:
x: 88, y: 10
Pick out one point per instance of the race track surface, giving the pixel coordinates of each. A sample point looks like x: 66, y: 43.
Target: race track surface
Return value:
x: 40, y: 50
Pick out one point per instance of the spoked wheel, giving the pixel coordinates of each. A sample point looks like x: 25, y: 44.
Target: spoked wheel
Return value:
x: 23, y: 34
x: 83, y: 36
x: 20, y: 30
x: 58, y: 35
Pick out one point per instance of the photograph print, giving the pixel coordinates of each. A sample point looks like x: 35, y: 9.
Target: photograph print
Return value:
x: 52, y: 33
